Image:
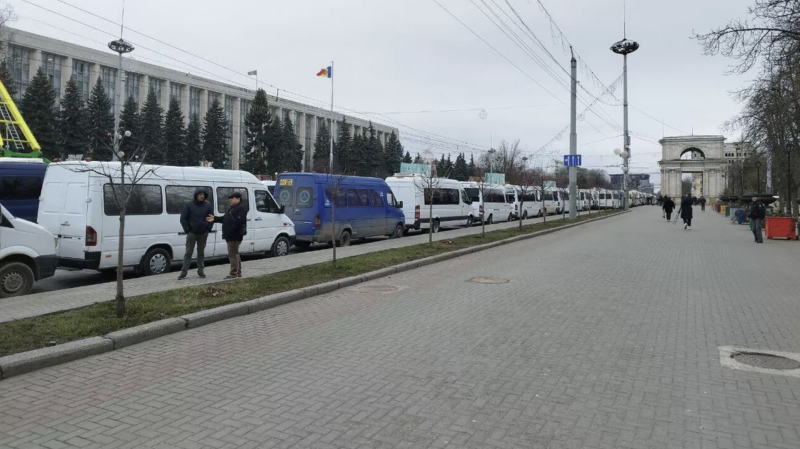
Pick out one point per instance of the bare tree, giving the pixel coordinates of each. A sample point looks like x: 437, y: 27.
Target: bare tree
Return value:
x: 525, y: 181
x: 335, y: 192
x: 7, y: 16
x: 122, y: 177
x: 505, y: 159
x: 430, y: 184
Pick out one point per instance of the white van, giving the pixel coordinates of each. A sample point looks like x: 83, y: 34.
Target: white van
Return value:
x: 77, y: 205
x: 492, y: 201
x: 451, y: 207
x: 531, y: 199
x: 552, y: 201
x: 27, y: 254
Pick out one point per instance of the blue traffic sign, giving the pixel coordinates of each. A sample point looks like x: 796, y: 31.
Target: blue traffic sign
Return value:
x: 572, y: 160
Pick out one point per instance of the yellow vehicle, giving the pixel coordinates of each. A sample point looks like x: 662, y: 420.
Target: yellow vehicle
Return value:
x: 14, y: 132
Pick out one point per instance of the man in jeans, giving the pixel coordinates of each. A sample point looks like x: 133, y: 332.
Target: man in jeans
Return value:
x: 234, y: 228
x: 758, y: 212
x: 196, y: 226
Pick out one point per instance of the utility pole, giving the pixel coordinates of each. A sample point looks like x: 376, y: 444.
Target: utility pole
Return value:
x: 624, y: 48
x: 120, y: 47
x: 573, y: 139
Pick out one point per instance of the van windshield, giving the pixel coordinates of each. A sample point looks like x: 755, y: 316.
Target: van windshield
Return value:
x: 473, y: 194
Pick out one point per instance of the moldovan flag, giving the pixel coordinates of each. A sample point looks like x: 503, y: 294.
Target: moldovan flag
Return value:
x: 326, y: 72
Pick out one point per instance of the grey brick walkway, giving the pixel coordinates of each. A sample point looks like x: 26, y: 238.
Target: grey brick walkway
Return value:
x: 605, y: 337
x: 55, y: 301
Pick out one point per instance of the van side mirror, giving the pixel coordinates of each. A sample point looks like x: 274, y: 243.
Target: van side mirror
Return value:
x: 400, y: 205
x: 282, y: 209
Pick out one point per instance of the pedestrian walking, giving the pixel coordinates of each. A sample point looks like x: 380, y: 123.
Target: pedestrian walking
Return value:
x: 668, y: 207
x: 234, y: 228
x: 758, y: 212
x: 685, y: 211
x: 196, y: 227
x: 702, y: 204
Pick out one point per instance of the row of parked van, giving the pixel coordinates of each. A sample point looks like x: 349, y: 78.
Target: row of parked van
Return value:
x: 78, y: 217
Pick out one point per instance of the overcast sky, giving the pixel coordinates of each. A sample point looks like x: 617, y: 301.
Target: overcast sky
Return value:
x: 411, y: 56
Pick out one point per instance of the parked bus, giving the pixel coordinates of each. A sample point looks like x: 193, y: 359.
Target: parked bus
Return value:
x: 451, y: 207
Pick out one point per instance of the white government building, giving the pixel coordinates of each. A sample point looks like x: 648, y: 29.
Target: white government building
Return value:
x: 60, y: 60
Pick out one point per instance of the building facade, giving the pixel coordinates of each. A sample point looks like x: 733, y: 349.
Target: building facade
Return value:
x: 28, y: 52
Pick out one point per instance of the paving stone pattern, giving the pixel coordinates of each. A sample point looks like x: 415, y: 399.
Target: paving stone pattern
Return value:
x: 55, y: 301
x: 605, y: 336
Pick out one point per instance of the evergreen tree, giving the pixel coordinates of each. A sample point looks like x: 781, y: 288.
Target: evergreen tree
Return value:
x: 151, y: 130
x: 342, y: 148
x: 129, y: 121
x: 407, y: 158
x: 194, y: 142
x: 291, y: 154
x: 100, y: 123
x: 448, y: 167
x: 441, y: 167
x: 215, y: 141
x: 274, y: 145
x: 322, y: 148
x: 360, y: 164
x: 394, y: 154
x: 471, y: 167
x: 175, y: 136
x: 37, y: 106
x: 72, y: 122
x: 460, y: 169
x: 5, y: 77
x: 257, y: 126
x: 418, y: 159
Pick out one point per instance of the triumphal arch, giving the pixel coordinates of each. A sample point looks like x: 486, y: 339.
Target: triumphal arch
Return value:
x: 700, y: 155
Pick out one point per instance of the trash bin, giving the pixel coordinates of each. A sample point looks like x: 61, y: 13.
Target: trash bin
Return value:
x: 780, y: 227
x: 728, y: 211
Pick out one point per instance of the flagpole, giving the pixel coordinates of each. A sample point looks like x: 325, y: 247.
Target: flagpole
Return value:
x: 333, y: 121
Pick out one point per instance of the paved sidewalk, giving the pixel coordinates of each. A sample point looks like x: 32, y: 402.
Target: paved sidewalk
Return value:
x: 606, y: 336
x: 44, y: 303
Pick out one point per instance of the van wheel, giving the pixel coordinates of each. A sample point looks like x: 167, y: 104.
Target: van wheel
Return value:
x: 510, y: 217
x: 344, y: 240
x: 280, y: 247
x: 16, y: 279
x: 399, y: 230
x: 469, y: 221
x: 156, y: 261
x: 489, y: 220
x: 302, y: 244
x: 435, y: 225
x: 525, y: 215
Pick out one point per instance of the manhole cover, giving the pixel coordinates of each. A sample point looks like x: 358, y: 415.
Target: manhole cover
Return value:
x: 488, y: 280
x: 766, y: 361
x: 377, y: 288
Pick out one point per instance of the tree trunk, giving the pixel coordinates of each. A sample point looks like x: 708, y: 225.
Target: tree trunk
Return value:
x: 333, y: 227
x: 483, y: 217
x: 430, y: 220
x: 521, y: 203
x: 120, y: 299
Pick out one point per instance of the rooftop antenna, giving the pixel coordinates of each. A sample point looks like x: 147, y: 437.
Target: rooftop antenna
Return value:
x: 122, y: 20
x: 624, y: 20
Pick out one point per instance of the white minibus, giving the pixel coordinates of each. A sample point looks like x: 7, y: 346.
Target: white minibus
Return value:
x: 451, y: 207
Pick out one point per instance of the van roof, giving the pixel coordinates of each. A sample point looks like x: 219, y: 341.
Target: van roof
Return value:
x: 22, y: 160
x: 164, y: 172
x: 324, y: 178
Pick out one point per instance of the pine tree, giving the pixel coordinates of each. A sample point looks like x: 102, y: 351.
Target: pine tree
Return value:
x: 100, y: 123
x: 342, y: 148
x: 129, y: 121
x: 394, y: 154
x: 322, y: 148
x: 471, y: 171
x: 175, y: 136
x: 37, y: 106
x: 151, y: 130
x: 374, y: 156
x: 407, y: 158
x: 5, y: 77
x: 291, y: 153
x: 460, y: 169
x: 194, y: 142
x: 360, y: 164
x: 215, y: 141
x: 257, y: 126
x: 72, y: 122
x: 418, y: 159
x: 274, y: 139
x: 448, y: 168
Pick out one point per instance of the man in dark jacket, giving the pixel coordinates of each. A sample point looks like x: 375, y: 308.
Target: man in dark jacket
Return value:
x: 196, y: 227
x: 685, y: 211
x: 702, y: 202
x: 234, y: 228
x: 668, y: 206
x: 758, y: 212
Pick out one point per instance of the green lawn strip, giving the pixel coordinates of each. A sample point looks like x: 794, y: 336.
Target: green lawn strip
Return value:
x: 99, y: 319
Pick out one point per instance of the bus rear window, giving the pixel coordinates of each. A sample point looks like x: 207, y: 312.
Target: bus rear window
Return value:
x: 473, y: 194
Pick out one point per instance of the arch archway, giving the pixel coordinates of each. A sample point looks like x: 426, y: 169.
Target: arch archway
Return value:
x: 700, y: 156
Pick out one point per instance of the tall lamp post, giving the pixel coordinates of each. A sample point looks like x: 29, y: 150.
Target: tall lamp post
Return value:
x: 120, y: 47
x: 624, y: 48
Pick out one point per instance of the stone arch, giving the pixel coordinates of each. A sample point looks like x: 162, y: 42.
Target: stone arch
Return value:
x: 694, y: 150
x: 707, y: 163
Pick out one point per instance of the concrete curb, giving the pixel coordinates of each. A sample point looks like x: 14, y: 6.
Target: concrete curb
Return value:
x: 25, y: 362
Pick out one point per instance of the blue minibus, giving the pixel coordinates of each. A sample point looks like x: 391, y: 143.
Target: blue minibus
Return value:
x: 21, y: 186
x: 364, y: 207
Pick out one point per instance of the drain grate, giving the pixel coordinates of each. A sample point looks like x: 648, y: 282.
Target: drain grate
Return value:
x: 487, y: 280
x: 376, y: 288
x: 766, y: 361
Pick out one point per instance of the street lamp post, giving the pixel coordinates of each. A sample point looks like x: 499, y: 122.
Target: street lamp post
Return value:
x: 624, y: 48
x: 120, y: 47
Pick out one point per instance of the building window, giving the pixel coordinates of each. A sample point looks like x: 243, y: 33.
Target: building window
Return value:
x: 19, y: 64
x: 155, y: 86
x: 175, y: 92
x: 194, y: 102
x: 132, y: 81
x: 244, y: 109
x: 211, y: 97
x: 51, y: 66
x: 309, y: 122
x: 108, y: 77
x: 80, y: 73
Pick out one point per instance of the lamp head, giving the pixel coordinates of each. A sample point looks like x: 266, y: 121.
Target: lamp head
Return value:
x: 127, y: 133
x: 617, y: 151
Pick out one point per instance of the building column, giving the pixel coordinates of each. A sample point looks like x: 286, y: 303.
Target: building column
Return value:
x: 203, y: 104
x: 300, y: 122
x: 185, y: 103
x: 94, y: 73
x: 66, y: 73
x: 236, y: 135
x: 144, y: 89
x: 166, y: 88
x: 35, y: 62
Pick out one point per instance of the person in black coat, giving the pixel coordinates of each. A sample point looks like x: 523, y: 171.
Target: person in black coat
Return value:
x: 195, y: 226
x: 668, y: 206
x: 234, y: 228
x: 686, y: 211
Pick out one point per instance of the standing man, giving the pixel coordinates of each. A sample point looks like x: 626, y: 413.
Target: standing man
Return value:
x: 196, y: 227
x: 668, y: 206
x: 234, y: 228
x: 702, y: 203
x: 758, y: 212
x: 686, y: 211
